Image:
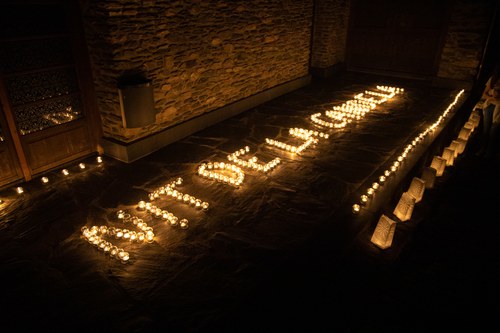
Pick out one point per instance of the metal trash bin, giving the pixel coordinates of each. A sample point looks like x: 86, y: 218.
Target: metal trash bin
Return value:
x: 137, y: 104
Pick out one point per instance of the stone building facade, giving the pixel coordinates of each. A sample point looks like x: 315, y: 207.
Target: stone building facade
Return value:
x: 205, y: 56
x: 199, y: 55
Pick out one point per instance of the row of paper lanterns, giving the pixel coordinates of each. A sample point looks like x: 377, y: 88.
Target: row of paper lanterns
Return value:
x: 383, y: 234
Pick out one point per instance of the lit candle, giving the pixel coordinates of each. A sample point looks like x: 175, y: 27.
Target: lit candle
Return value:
x: 99, y: 159
x: 120, y: 214
x: 364, y: 199
x: 19, y: 190
x: 356, y: 208
x: 82, y: 166
x: 45, y: 180
x: 65, y: 172
x: 173, y: 220
x: 124, y: 256
x: 183, y: 223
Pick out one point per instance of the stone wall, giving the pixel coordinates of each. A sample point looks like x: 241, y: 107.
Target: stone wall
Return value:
x: 200, y: 55
x: 465, y: 40
x: 330, y: 33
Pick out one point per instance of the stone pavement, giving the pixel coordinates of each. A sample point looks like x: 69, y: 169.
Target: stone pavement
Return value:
x: 281, y: 253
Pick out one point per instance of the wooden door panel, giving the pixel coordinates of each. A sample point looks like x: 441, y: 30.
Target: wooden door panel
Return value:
x: 45, y: 84
x: 9, y: 168
x: 50, y: 151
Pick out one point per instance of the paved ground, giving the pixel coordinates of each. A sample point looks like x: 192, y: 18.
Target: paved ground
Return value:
x: 283, y: 252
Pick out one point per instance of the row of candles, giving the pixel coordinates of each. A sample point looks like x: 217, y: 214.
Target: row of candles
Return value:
x: 231, y: 172
x: 46, y: 180
x: 384, y: 231
x: 365, y: 197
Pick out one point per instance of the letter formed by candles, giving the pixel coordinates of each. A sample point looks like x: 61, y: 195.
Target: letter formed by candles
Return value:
x: 222, y: 172
x: 439, y: 164
x: 429, y: 177
x: 384, y: 232
x: 405, y: 206
x: 171, y: 190
x: 252, y: 163
x: 95, y: 236
x: 300, y: 133
x: 416, y: 189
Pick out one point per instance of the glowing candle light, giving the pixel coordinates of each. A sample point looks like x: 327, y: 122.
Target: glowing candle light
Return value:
x: 19, y: 190
x: 356, y: 208
x: 123, y: 256
x: 45, y: 180
x: 218, y: 172
x: 120, y: 214
x: 416, y: 189
x: 174, y: 220
x: 65, y: 172
x: 184, y: 224
x: 405, y: 206
x: 82, y: 166
x: 252, y: 163
x: 94, y: 235
x: 364, y: 198
x: 99, y: 159
x: 384, y: 232
x: 141, y: 205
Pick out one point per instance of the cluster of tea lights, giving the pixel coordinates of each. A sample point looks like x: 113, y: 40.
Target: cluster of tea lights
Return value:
x: 95, y: 235
x: 302, y: 134
x: 253, y: 162
x: 364, y: 198
x: 356, y: 108
x: 163, y: 214
x: 218, y: 171
x: 232, y: 174
x: 170, y: 190
x: 229, y: 173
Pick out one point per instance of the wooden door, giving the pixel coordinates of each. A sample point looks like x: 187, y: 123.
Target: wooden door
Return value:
x: 10, y: 169
x: 392, y: 36
x: 45, y: 86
